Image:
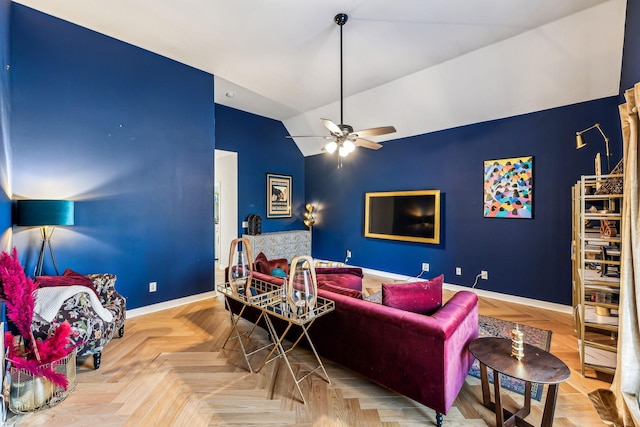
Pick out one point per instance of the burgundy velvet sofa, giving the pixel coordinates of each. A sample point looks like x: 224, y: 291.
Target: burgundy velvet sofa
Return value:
x: 425, y: 358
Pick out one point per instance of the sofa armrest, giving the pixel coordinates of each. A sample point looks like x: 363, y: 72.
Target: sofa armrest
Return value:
x: 105, y: 285
x: 453, y: 312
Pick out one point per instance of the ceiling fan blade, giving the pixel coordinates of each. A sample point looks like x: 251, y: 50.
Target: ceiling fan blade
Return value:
x: 367, y: 144
x: 333, y: 128
x: 383, y: 130
x: 310, y: 136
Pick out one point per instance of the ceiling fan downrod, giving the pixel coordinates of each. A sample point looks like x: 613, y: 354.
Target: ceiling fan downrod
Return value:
x: 341, y: 19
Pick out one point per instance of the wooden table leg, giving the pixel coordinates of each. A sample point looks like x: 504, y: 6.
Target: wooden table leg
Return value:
x: 527, y: 399
x: 484, y: 380
x: 550, y: 405
x: 498, y: 399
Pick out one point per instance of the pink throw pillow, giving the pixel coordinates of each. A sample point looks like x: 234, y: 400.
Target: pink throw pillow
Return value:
x: 423, y: 297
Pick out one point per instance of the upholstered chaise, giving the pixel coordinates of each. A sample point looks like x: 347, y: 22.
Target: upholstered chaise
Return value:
x: 90, y: 304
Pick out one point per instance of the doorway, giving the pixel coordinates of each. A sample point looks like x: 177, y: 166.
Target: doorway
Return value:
x: 225, y: 204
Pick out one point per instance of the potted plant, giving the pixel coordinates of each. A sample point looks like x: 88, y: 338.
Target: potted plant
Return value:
x: 40, y: 369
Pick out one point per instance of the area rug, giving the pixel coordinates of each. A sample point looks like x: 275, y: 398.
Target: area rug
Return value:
x: 492, y: 327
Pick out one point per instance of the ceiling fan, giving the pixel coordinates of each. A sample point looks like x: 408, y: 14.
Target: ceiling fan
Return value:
x: 343, y: 138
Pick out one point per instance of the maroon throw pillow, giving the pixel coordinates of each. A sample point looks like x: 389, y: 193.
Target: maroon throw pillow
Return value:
x: 81, y: 278
x: 261, y: 264
x: 331, y: 287
x: 423, y: 297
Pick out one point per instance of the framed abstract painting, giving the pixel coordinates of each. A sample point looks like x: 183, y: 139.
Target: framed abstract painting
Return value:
x: 508, y: 188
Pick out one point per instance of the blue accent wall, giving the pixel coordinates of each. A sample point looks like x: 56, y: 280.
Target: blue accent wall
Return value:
x: 5, y: 110
x: 127, y: 134
x: 524, y: 257
x: 262, y: 148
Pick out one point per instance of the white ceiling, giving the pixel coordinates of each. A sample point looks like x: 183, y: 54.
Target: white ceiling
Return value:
x: 420, y: 65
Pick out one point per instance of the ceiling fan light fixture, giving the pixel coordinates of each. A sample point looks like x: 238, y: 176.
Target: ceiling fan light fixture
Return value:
x: 349, y: 146
x: 343, y: 151
x: 331, y: 147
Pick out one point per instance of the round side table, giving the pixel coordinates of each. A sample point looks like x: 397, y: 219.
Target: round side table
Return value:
x: 537, y: 366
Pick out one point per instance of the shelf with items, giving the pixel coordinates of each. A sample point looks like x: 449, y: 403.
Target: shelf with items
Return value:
x: 596, y: 258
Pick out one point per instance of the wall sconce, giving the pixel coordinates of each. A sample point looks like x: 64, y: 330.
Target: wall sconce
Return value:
x: 581, y: 143
x: 309, y: 220
x: 45, y: 214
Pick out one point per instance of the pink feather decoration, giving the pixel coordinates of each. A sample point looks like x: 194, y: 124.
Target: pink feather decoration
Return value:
x: 18, y: 292
x: 57, y: 346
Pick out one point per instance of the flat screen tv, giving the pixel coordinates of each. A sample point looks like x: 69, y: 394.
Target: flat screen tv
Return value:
x: 412, y: 216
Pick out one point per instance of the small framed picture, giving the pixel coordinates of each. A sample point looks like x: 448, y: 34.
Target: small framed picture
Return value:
x: 278, y: 196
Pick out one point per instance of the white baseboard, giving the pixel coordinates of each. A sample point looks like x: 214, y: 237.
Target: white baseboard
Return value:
x: 169, y: 304
x: 481, y: 292
x: 393, y: 276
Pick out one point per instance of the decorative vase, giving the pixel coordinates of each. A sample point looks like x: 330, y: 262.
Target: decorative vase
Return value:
x: 240, y: 269
x: 30, y: 394
x: 302, y: 289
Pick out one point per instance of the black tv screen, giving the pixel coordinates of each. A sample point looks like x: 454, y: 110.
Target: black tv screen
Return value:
x: 412, y: 216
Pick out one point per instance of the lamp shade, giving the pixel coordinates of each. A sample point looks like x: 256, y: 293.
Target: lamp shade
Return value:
x: 45, y: 212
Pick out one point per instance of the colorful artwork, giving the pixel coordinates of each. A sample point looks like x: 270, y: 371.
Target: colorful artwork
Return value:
x: 508, y: 188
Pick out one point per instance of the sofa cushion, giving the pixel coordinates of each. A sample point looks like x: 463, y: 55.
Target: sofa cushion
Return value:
x: 333, y: 287
x: 261, y: 264
x: 424, y: 297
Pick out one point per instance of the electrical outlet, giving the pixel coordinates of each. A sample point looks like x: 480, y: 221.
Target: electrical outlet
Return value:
x: 484, y: 274
x: 458, y: 271
x: 153, y: 286
x: 245, y: 224
x: 425, y: 266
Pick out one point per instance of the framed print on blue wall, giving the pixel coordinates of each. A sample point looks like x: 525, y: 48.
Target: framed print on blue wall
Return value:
x: 508, y: 188
x: 278, y: 196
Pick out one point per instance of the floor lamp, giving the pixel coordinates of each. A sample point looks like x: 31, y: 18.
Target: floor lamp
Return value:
x: 46, y: 214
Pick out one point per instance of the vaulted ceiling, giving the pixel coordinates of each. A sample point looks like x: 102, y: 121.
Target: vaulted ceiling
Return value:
x: 420, y: 65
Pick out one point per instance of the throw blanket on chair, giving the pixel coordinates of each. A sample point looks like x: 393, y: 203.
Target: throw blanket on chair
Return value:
x: 50, y: 299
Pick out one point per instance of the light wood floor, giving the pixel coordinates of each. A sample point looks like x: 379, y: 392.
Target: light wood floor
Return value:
x: 170, y: 369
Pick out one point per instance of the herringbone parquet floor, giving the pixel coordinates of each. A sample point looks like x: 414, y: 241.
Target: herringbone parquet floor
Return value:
x: 170, y: 370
